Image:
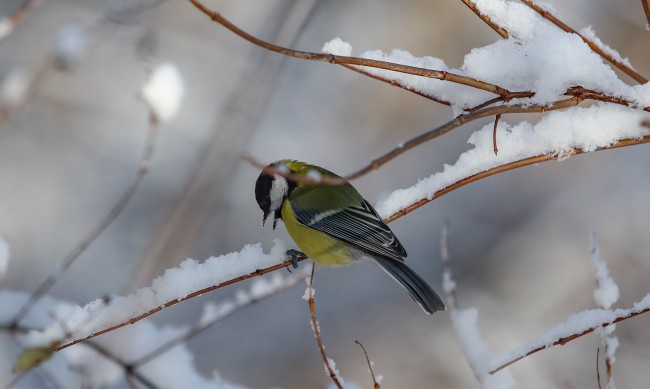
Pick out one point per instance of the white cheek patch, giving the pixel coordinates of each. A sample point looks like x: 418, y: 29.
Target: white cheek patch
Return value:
x: 279, y: 189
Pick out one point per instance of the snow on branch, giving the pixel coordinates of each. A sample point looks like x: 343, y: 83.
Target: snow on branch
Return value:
x: 575, y: 326
x: 556, y: 135
x: 188, y: 280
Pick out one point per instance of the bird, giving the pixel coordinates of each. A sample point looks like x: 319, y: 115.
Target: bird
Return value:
x: 332, y: 224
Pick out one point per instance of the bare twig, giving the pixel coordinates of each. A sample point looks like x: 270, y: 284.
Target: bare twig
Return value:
x: 398, y: 84
x: 598, y: 367
x: 455, y: 123
x: 319, y: 340
x: 8, y: 24
x: 504, y: 168
x: 498, y: 29
x: 272, y: 170
x: 494, y: 134
x: 143, y: 168
x: 623, y: 67
x: 372, y: 372
x: 344, y: 60
x: 567, y: 339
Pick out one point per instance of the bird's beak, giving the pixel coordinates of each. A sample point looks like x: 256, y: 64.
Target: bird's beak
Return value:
x: 265, y: 216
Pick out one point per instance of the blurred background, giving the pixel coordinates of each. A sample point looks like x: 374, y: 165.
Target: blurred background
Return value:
x: 518, y: 241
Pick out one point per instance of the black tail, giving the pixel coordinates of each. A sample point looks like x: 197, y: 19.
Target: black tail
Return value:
x: 419, y: 290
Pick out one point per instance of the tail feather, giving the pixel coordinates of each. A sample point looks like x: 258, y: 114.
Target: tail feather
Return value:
x: 419, y: 290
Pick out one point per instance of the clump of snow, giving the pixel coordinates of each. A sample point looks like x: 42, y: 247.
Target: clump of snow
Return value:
x: 555, y: 134
x: 538, y: 57
x: 70, y: 45
x: 606, y: 292
x: 164, y: 91
x: 14, y: 86
x: 476, y: 351
x: 176, y: 283
x: 337, y: 47
x: 4, y: 257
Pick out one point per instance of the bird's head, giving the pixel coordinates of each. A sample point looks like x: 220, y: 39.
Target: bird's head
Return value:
x: 271, y: 190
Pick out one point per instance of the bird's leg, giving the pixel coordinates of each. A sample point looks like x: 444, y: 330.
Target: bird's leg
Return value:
x: 293, y: 256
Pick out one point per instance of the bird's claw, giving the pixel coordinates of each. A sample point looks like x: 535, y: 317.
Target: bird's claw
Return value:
x: 293, y: 256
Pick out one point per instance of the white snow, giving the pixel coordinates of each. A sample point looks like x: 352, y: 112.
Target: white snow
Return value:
x: 164, y: 91
x: 476, y: 351
x: 337, y: 47
x: 176, y: 283
x: 606, y: 292
x: 555, y: 135
x: 4, y: 257
x: 537, y: 57
x: 574, y: 324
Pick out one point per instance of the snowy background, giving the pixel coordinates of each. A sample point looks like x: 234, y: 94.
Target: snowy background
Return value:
x: 519, y: 241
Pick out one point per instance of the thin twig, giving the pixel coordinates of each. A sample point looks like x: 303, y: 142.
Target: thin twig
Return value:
x: 598, y: 50
x: 494, y: 134
x: 498, y: 29
x: 598, y: 367
x: 503, y: 168
x: 143, y: 168
x: 344, y: 60
x: 319, y: 340
x: 201, y: 327
x: 303, y: 178
x: 399, y: 84
x: 455, y: 123
x: 567, y: 339
x: 372, y: 372
x: 8, y: 24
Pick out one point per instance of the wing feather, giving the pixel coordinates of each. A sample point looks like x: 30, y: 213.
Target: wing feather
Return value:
x: 359, y: 225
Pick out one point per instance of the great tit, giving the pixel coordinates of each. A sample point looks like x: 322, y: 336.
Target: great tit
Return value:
x: 334, y: 225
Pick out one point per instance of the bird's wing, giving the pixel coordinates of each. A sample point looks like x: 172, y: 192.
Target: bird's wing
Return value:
x: 359, y: 225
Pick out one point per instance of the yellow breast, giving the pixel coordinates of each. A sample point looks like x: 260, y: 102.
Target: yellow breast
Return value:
x: 317, y: 245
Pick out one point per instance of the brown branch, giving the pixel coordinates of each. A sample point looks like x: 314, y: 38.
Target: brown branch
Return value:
x: 344, y: 60
x: 398, y: 84
x: 455, y: 123
x: 598, y: 367
x: 498, y: 29
x: 304, y: 178
x: 80, y: 248
x: 256, y: 273
x: 319, y: 340
x: 623, y: 67
x: 372, y: 372
x: 646, y: 9
x: 494, y: 134
x: 567, y: 339
x: 504, y: 168
x: 9, y: 23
